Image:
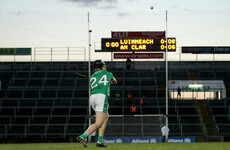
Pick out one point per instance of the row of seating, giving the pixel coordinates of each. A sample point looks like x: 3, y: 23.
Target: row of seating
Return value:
x: 72, y: 82
x: 43, y: 110
x: 219, y: 113
x: 83, y: 119
x: 72, y: 130
x: 43, y: 119
x: 117, y: 65
x: 173, y: 74
x: 44, y: 66
x: 42, y: 131
x: 36, y: 101
x: 49, y: 109
x: 71, y: 74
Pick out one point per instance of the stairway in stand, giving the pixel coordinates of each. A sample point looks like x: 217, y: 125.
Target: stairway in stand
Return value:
x: 210, y: 131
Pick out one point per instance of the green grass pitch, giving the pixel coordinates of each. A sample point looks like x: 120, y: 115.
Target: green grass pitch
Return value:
x: 123, y: 146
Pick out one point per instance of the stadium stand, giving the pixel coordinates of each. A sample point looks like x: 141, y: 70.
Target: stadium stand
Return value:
x: 46, y: 100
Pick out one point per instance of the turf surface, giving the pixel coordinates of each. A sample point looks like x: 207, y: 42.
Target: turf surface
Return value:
x: 124, y: 146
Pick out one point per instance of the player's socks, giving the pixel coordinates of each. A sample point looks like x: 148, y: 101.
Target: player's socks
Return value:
x: 84, y: 136
x: 100, y: 139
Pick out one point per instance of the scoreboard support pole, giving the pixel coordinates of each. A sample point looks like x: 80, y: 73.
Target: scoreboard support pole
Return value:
x: 166, y: 67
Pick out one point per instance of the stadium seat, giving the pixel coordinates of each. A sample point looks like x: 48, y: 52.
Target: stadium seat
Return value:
x: 5, y: 120
x: 147, y: 82
x: 58, y: 120
x: 81, y: 82
x: 77, y: 120
x: 18, y: 83
x: 75, y: 129
x: 43, y: 111
x: 21, y: 120
x: 81, y: 93
x: 114, y: 130
x: 55, y: 130
x: 67, y: 83
x: 45, y: 102
x: 36, y: 83
x: 78, y: 110
x: 37, y: 119
x: 36, y: 130
x: 152, y: 130
x: 28, y: 93
x: 64, y: 93
x: 62, y: 102
x: 25, y: 111
x: 133, y: 74
x: 131, y: 130
x: 61, y: 111
x: 51, y: 83
x: 147, y: 74
x: 27, y: 102
x: 12, y: 102
x: 68, y: 75
x: 132, y: 82
x: 53, y: 74
x: 48, y: 93
x: 23, y: 74
x: 190, y: 119
x: 16, y: 130
x: 14, y: 93
x: 38, y: 74
x: 8, y: 111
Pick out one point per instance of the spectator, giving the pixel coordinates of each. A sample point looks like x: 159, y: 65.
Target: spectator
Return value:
x: 178, y: 92
x: 128, y: 63
x: 165, y: 133
x: 117, y: 99
x: 130, y: 99
x: 133, y: 109
x: 143, y: 100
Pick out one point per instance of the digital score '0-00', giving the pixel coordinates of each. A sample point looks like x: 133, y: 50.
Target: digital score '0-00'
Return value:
x: 137, y: 44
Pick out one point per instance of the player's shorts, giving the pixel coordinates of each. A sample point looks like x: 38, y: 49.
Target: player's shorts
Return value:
x: 99, y: 102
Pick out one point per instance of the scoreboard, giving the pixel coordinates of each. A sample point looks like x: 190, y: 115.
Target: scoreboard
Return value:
x: 137, y: 44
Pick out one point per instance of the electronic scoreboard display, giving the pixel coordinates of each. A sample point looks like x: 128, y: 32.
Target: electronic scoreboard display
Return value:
x: 137, y: 44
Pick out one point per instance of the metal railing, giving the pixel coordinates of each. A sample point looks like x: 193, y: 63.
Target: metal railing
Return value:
x: 49, y: 54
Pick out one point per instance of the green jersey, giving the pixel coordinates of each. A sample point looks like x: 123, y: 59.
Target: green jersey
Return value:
x: 100, y: 82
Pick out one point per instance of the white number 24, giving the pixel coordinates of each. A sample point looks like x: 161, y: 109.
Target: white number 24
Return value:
x: 103, y: 80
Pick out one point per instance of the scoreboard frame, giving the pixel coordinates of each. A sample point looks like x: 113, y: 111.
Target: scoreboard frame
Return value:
x: 137, y: 44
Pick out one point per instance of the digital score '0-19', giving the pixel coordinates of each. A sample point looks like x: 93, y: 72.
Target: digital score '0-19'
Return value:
x: 137, y: 44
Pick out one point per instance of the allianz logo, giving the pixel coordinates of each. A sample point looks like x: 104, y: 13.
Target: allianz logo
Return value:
x: 186, y: 140
x: 113, y: 141
x: 153, y: 140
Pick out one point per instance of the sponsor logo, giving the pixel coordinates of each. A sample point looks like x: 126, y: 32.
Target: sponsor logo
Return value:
x: 109, y: 141
x: 140, y: 141
x: 153, y: 140
x: 225, y: 49
x: 187, y: 140
x: 119, y: 141
x: 148, y: 140
x: 181, y: 140
x: 175, y: 140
